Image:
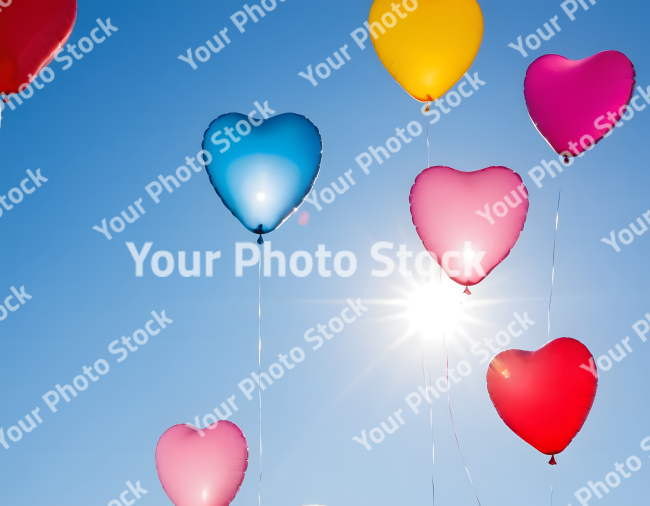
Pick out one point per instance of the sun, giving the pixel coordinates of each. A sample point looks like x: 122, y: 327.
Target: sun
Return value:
x: 435, y: 308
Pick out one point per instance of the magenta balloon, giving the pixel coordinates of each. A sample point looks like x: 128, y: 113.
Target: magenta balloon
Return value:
x: 574, y: 104
x: 202, y: 466
x: 486, y: 208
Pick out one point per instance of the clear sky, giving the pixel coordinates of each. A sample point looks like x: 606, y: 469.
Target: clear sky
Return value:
x: 130, y: 110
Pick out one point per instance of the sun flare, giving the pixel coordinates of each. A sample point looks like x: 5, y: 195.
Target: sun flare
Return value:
x: 434, y: 309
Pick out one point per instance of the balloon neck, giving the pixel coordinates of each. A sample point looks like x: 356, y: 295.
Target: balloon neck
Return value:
x: 467, y: 292
x: 259, y: 230
x: 427, y: 107
x: 552, y: 461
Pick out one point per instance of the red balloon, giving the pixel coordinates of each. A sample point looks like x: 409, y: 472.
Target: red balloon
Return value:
x: 544, y: 396
x: 469, y: 221
x: 202, y: 466
x: 32, y: 32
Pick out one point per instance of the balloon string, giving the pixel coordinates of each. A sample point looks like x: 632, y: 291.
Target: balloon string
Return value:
x: 433, y: 447
x: 557, y: 219
x: 259, y: 366
x: 427, y: 118
x: 552, y: 483
x: 454, y: 425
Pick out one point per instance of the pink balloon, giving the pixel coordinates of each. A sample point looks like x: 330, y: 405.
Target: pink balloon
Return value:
x: 574, y: 104
x: 469, y: 221
x: 202, y: 466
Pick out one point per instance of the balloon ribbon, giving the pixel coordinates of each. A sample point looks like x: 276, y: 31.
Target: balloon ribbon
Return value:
x: 557, y: 219
x: 552, y: 481
x: 428, y: 163
x: 433, y: 447
x: 454, y: 425
x: 259, y: 361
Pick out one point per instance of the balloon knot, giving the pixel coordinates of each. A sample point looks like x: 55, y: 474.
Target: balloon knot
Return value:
x: 259, y: 230
x: 427, y: 108
x: 566, y: 159
x: 467, y: 292
x: 552, y: 461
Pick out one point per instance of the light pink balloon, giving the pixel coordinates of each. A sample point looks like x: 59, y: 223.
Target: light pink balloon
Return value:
x: 574, y: 104
x: 202, y: 466
x: 486, y: 208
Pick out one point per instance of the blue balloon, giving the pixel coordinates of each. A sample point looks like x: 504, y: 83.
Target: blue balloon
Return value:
x: 262, y: 173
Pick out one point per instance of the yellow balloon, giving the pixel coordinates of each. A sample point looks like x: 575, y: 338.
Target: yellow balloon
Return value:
x: 426, y: 45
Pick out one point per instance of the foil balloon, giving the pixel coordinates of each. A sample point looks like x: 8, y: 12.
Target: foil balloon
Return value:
x: 544, y: 396
x: 575, y: 104
x: 202, y: 466
x: 469, y: 221
x: 32, y: 32
x: 262, y: 170
x: 426, y: 45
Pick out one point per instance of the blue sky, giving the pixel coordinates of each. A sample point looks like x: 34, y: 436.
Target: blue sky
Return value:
x: 130, y: 110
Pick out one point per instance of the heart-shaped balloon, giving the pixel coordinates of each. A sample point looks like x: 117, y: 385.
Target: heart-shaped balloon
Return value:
x: 574, y: 104
x: 544, y: 396
x: 469, y: 221
x: 202, y: 466
x: 31, y: 34
x: 426, y: 45
x: 262, y: 170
